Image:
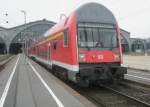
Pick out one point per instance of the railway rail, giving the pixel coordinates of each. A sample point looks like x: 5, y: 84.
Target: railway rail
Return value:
x: 132, y: 90
x: 124, y: 94
x: 4, y: 59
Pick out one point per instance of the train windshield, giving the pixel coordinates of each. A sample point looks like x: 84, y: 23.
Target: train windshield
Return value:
x: 101, y: 37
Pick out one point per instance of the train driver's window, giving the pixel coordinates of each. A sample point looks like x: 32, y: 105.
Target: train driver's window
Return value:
x: 65, y: 40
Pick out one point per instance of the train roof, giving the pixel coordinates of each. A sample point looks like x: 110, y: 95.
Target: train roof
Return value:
x: 89, y: 12
x: 95, y: 12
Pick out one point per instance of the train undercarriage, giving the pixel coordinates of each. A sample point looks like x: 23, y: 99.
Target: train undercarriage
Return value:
x: 100, y: 73
x: 89, y: 74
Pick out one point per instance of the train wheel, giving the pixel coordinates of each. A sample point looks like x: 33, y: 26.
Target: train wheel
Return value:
x: 82, y: 81
x: 65, y: 75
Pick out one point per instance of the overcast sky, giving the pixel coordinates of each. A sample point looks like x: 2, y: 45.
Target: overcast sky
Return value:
x: 132, y: 15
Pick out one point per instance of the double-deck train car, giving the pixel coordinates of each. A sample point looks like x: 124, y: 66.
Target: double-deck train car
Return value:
x: 84, y: 47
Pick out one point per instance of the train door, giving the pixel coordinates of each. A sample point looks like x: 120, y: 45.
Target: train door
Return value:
x: 49, y: 53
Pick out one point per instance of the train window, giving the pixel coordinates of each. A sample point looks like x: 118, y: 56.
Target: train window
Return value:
x: 81, y: 37
x: 108, y: 35
x: 89, y: 34
x: 55, y: 44
x: 96, y: 36
x: 65, y: 41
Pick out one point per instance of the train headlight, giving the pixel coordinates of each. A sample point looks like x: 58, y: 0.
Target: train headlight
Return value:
x: 116, y: 56
x: 82, y: 57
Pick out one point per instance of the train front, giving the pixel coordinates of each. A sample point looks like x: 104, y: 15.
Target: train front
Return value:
x: 99, y: 49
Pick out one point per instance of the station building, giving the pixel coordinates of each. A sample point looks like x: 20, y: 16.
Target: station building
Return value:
x: 12, y: 40
x: 134, y: 46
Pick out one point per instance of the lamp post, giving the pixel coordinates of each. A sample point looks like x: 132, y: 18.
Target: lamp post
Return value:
x: 25, y: 16
x: 24, y: 13
x: 145, y: 43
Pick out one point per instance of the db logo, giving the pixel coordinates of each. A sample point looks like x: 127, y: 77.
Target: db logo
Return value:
x: 100, y: 56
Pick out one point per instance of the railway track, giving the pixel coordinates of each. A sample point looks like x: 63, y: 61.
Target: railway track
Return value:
x: 4, y: 59
x: 135, y: 91
x: 124, y: 94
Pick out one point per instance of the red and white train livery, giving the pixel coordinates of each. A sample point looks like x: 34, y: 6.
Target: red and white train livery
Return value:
x: 84, y: 48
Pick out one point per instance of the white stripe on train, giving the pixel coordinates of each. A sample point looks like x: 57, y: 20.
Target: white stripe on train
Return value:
x: 61, y: 64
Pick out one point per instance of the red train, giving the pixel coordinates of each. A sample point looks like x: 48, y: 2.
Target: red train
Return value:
x: 84, y: 48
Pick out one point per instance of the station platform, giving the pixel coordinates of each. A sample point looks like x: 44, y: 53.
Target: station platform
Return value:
x: 24, y: 83
x: 138, y: 68
x: 137, y: 62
